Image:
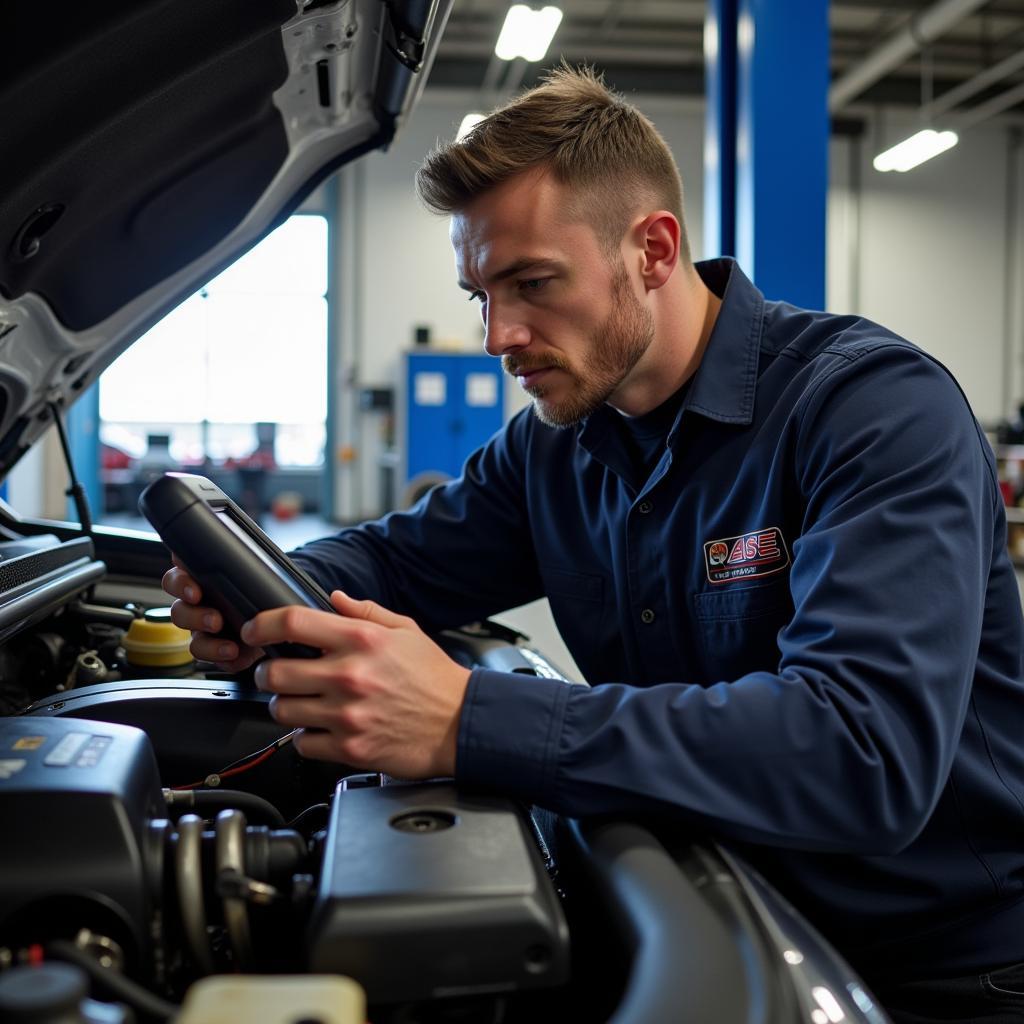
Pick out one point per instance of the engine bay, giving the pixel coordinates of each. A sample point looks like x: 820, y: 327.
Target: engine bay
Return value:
x: 166, y: 829
x: 420, y: 892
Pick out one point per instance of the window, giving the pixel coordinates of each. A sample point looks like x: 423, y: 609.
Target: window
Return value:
x: 249, y: 348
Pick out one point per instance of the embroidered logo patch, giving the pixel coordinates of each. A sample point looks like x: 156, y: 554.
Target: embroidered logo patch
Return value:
x: 759, y: 553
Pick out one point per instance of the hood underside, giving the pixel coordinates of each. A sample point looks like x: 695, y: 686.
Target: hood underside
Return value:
x: 146, y: 145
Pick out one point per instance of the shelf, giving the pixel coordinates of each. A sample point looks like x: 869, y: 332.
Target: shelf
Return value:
x: 1014, y: 514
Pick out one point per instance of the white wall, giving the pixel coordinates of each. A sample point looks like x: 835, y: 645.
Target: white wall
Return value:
x: 938, y: 257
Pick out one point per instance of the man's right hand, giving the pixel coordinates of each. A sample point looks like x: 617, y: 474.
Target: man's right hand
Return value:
x: 188, y: 612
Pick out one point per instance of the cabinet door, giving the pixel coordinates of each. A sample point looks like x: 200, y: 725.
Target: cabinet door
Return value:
x: 480, y: 383
x: 455, y: 403
x: 431, y: 413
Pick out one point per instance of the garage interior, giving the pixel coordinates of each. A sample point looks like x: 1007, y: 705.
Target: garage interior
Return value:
x: 888, y: 255
x: 336, y: 372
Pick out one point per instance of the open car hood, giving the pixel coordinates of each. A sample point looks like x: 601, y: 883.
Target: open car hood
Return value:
x: 149, y: 143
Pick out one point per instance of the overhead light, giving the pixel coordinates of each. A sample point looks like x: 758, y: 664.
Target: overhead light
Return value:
x: 527, y: 33
x: 915, y: 150
x: 469, y: 122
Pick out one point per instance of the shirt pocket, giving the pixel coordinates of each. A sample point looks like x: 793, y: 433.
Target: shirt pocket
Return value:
x: 738, y: 628
x: 568, y: 583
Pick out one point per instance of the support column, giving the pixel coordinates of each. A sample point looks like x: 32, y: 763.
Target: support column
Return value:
x: 720, y: 128
x: 780, y: 142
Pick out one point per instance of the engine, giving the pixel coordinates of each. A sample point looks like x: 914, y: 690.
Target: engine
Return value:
x: 418, y: 892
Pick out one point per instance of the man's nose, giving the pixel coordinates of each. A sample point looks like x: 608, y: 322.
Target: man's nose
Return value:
x: 504, y: 333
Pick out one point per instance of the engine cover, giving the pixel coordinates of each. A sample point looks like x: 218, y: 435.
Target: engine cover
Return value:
x: 75, y: 800
x: 428, y: 892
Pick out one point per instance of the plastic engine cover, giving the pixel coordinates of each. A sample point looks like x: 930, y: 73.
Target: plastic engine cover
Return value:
x: 75, y: 800
x: 427, y: 892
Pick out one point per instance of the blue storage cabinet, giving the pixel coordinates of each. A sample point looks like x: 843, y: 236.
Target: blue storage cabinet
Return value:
x: 452, y: 403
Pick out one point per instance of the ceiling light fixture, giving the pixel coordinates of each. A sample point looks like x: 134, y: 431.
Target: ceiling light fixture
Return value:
x: 469, y: 122
x: 527, y: 33
x: 927, y: 142
x: 915, y: 150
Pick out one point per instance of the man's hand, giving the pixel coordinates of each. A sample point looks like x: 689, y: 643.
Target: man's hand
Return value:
x: 188, y: 613
x: 382, y: 697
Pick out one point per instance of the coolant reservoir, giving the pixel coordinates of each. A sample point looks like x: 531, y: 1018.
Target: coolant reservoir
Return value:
x: 155, y: 642
x: 282, y: 999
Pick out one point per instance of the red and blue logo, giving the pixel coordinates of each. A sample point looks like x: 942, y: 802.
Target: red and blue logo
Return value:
x: 747, y: 556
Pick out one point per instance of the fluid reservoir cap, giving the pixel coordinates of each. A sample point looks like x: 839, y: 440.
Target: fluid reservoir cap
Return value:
x: 158, y: 614
x: 156, y: 644
x: 48, y: 992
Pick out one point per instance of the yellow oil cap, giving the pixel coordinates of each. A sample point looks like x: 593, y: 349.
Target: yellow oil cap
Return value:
x: 156, y: 642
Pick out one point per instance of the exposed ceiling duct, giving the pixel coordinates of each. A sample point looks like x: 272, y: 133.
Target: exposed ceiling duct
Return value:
x: 954, y: 97
x: 990, y: 108
x: 657, y: 47
x: 919, y: 31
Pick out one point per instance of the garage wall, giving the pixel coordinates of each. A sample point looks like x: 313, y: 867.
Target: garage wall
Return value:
x: 936, y: 254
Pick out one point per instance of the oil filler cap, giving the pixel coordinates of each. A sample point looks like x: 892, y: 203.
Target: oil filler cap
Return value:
x: 155, y: 642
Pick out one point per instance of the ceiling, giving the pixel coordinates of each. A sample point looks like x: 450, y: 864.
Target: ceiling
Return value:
x: 656, y: 46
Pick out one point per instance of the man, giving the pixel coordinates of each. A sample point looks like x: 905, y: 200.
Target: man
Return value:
x: 772, y: 539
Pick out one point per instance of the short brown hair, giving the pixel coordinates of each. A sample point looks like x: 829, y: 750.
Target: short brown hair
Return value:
x: 587, y: 136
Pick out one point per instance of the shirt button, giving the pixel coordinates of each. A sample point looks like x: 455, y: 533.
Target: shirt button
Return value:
x: 644, y: 507
x: 647, y: 616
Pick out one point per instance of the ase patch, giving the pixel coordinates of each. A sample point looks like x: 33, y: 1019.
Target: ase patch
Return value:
x: 747, y: 556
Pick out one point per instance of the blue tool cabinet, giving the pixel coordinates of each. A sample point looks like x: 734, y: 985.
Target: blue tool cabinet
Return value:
x: 451, y: 404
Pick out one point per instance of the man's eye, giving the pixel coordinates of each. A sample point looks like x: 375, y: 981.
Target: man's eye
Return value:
x: 473, y: 296
x: 533, y: 284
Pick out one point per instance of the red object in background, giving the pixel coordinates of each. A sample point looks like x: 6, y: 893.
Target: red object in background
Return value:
x: 259, y: 459
x: 114, y: 458
x: 1006, y: 490
x: 286, y: 505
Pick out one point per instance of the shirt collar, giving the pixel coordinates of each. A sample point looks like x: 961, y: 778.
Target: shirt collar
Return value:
x: 724, y: 385
x: 725, y: 382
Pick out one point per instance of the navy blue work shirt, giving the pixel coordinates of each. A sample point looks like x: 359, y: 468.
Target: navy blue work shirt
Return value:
x: 802, y: 631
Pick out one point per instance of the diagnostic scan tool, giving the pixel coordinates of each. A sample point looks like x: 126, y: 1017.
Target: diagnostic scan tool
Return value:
x: 240, y: 569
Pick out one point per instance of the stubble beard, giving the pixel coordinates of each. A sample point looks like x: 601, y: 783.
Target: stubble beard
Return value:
x: 614, y: 349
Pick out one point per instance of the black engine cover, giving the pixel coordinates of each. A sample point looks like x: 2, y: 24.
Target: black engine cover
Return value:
x: 429, y: 892
x: 76, y: 797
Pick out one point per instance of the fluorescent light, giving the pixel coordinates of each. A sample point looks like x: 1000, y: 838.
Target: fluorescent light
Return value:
x: 469, y: 122
x: 828, y: 1002
x: 527, y: 33
x: 915, y: 150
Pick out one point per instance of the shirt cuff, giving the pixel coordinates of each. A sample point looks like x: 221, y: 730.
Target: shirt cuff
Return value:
x: 509, y: 733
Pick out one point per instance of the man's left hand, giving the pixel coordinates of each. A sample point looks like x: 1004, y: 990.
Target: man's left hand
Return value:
x: 383, y: 697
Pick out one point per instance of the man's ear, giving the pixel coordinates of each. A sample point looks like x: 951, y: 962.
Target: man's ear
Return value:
x: 657, y: 236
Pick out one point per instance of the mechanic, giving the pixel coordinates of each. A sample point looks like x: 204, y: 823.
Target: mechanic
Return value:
x: 771, y: 538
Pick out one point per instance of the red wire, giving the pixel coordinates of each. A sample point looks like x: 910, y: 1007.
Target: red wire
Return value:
x: 234, y: 771
x: 252, y: 764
